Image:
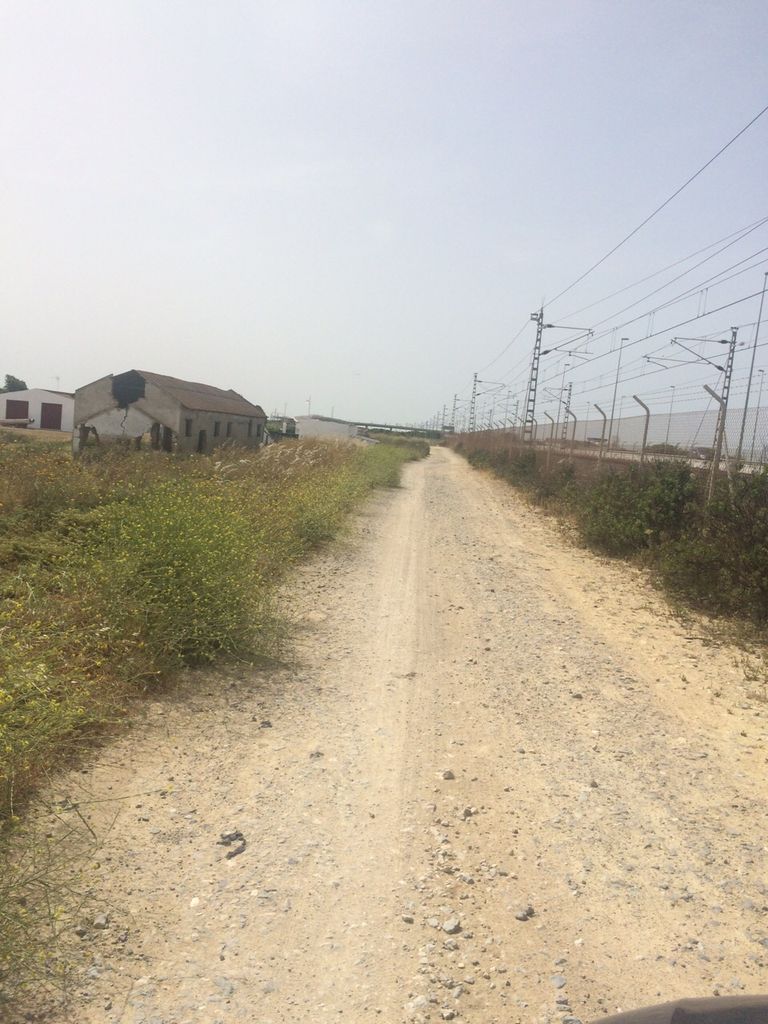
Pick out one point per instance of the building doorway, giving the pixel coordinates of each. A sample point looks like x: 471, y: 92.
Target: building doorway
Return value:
x: 16, y: 410
x: 202, y: 441
x: 50, y: 416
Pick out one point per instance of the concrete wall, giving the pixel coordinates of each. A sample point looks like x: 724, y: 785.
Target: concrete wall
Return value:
x: 312, y: 426
x: 121, y: 423
x: 94, y: 399
x: 35, y: 398
x: 237, y: 432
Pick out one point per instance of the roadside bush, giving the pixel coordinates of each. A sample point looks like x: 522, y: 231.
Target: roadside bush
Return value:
x: 556, y: 485
x: 720, y: 562
x: 174, y: 570
x: 517, y: 467
x: 624, y: 512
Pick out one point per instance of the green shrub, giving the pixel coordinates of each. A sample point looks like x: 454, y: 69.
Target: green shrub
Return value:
x: 518, y: 467
x: 720, y: 562
x: 556, y: 485
x: 174, y: 570
x: 624, y: 512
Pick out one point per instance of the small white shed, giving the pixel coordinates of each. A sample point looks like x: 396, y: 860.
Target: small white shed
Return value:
x: 48, y: 410
x: 325, y: 426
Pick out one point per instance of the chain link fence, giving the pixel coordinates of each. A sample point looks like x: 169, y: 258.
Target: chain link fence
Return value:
x: 686, y: 435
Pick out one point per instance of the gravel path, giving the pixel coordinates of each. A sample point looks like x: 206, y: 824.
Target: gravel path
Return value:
x: 499, y: 784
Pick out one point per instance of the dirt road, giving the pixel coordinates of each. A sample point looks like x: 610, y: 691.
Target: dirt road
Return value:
x: 499, y: 784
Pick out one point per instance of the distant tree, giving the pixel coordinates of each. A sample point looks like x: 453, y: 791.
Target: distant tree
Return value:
x: 13, y: 384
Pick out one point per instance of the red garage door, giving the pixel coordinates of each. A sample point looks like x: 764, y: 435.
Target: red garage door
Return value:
x: 50, y: 416
x: 16, y: 410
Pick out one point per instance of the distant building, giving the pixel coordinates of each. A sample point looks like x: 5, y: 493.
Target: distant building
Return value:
x: 326, y: 426
x: 38, y: 409
x: 167, y: 412
x: 281, y: 426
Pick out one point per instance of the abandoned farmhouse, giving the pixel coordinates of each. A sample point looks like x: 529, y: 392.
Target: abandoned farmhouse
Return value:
x: 165, y: 412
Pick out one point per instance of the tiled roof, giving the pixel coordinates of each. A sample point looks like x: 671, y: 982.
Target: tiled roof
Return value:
x: 203, y: 397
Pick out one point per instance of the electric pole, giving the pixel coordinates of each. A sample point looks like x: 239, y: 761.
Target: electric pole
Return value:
x: 533, y: 380
x: 473, y: 405
x: 722, y: 399
x: 560, y: 400
x: 568, y: 391
x: 751, y: 369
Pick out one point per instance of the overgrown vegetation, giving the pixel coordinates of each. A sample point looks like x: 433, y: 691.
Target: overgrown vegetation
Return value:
x: 714, y: 556
x: 120, y: 567
x: 418, y: 446
x: 623, y: 512
x: 719, y: 561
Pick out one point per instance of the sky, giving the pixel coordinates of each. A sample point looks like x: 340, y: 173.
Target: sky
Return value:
x: 354, y: 206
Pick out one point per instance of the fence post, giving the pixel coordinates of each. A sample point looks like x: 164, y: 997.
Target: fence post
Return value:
x: 645, y: 431
x: 573, y: 433
x: 551, y: 436
x: 602, y: 434
x: 757, y: 416
x: 718, y: 442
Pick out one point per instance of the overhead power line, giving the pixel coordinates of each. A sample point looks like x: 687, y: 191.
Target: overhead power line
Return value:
x: 661, y: 206
x: 710, y: 282
x: 730, y: 241
x: 506, y: 348
x: 521, y: 368
x: 666, y: 330
x: 675, y: 300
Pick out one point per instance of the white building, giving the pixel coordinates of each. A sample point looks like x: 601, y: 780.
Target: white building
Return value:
x: 48, y: 410
x: 326, y: 426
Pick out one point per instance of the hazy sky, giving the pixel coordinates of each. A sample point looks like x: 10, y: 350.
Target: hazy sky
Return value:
x: 360, y: 201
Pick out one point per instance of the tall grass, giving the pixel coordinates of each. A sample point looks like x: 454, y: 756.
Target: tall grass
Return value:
x: 121, y: 567
x: 118, y: 569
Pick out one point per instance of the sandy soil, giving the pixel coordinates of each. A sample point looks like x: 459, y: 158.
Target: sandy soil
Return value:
x: 499, y: 783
